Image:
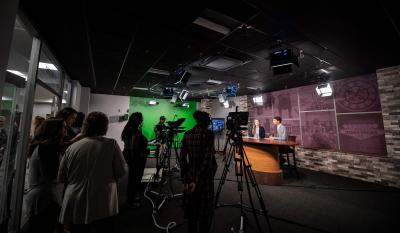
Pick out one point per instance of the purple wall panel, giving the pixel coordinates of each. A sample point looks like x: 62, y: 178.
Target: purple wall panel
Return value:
x: 362, y: 133
x: 264, y: 110
x: 359, y: 94
x: 319, y: 130
x: 310, y: 101
x: 285, y: 104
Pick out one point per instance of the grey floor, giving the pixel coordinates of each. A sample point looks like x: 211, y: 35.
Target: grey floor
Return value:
x: 314, y: 202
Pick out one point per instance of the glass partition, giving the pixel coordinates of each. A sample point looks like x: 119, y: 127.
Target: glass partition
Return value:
x: 11, y: 105
x: 49, y: 73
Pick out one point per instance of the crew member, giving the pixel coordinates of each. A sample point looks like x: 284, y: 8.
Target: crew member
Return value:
x: 280, y: 129
x: 159, y: 128
x: 198, y: 167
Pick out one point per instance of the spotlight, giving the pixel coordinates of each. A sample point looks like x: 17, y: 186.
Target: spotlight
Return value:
x: 258, y: 100
x: 221, y: 98
x: 226, y: 104
x: 186, y: 104
x: 174, y: 97
x: 183, y: 94
x: 324, y: 89
x: 153, y: 102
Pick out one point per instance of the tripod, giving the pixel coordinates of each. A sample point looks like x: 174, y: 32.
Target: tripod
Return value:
x: 167, y: 147
x: 244, y: 177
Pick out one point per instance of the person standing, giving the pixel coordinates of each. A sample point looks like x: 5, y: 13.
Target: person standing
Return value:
x: 90, y: 169
x: 159, y: 128
x: 198, y: 167
x: 135, y: 153
x: 280, y: 129
x: 43, y: 200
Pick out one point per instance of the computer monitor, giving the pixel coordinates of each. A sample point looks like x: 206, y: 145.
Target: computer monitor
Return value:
x: 217, y: 125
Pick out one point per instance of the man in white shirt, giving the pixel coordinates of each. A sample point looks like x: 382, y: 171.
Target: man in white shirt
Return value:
x: 280, y: 129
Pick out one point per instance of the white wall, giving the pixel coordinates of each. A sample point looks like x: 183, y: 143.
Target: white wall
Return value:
x: 111, y: 105
x: 85, y: 100
x: 41, y: 109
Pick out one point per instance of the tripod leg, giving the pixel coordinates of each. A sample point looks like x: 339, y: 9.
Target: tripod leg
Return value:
x: 250, y: 176
x: 225, y: 171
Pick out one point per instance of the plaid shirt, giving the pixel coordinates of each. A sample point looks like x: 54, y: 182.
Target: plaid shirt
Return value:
x: 198, y: 165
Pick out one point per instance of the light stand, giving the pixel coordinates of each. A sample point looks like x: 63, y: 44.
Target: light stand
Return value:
x: 244, y: 177
x: 170, y: 144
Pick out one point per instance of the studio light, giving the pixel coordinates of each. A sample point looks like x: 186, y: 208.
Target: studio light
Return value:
x: 221, y: 98
x: 18, y: 73
x: 324, y: 90
x: 47, y: 66
x: 258, y: 100
x: 226, y: 104
x: 153, y: 102
x: 174, y: 97
x: 183, y: 94
x: 186, y: 104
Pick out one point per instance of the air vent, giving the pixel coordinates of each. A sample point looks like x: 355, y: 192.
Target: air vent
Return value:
x: 221, y: 63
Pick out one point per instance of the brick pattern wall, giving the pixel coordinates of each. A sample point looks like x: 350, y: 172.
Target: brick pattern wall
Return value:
x: 383, y: 170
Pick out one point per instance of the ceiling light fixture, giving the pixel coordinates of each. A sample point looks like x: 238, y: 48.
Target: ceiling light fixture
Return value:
x: 325, y: 71
x: 212, y: 81
x: 324, y: 90
x: 211, y: 25
x: 47, y: 66
x: 18, y: 73
x: 183, y: 95
x: 140, y: 88
x: 226, y: 104
x: 158, y: 71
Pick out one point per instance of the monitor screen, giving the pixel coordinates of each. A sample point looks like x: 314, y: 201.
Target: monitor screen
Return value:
x: 217, y: 124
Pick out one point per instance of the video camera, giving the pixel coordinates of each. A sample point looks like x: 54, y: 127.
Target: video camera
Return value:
x: 235, y: 120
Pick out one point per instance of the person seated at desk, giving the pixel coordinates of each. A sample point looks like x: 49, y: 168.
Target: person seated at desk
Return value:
x: 280, y: 129
x: 256, y: 130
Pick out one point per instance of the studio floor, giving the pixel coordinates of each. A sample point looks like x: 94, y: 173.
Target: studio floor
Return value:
x: 314, y: 202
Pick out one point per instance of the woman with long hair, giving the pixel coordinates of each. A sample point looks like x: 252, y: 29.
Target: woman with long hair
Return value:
x: 257, y: 130
x: 43, y: 200
x: 135, y: 153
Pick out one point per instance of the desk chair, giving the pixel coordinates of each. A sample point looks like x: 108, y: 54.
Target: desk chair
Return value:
x: 286, y: 150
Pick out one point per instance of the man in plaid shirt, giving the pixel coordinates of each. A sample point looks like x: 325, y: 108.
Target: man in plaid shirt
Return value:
x: 198, y: 167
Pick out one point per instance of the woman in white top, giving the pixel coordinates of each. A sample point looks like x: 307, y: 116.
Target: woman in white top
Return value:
x: 90, y: 169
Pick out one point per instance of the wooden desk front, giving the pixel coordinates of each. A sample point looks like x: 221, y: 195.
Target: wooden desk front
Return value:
x: 263, y: 155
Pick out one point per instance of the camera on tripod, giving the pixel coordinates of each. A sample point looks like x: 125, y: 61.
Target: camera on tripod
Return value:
x: 236, y: 121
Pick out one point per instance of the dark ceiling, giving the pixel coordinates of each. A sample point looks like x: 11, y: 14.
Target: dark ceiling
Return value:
x: 112, y: 46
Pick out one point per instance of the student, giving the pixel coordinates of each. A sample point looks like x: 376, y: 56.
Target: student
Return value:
x: 257, y: 130
x: 280, y: 129
x: 198, y: 167
x: 43, y: 200
x: 90, y: 170
x: 135, y: 153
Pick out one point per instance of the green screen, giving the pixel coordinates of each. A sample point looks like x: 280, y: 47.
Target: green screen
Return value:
x: 151, y: 114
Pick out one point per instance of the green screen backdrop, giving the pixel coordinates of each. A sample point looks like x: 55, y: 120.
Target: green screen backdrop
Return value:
x: 151, y: 114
